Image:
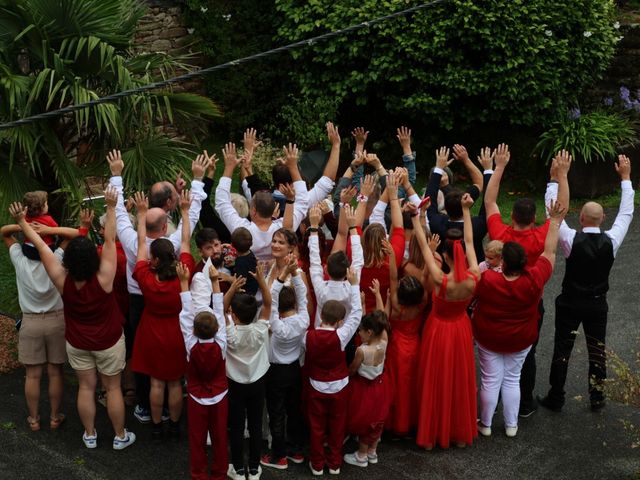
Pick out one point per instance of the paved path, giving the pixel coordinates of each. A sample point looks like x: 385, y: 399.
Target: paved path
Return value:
x: 574, y: 444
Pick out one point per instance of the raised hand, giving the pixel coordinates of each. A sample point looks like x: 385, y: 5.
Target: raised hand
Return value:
x: 392, y: 186
x: 350, y: 214
x: 562, y: 163
x: 324, y: 206
x: 110, y: 197
x: 623, y: 167
x: 230, y: 155
x: 434, y: 242
x: 249, y: 140
x: 404, y: 137
x: 347, y: 194
x: 442, y: 157
x: 183, y: 272
x: 141, y: 202
x: 375, y: 286
x: 352, y: 276
x: 292, y: 265
x: 466, y: 201
x: 213, y: 273
x: 212, y: 159
x: 291, y: 155
x: 387, y: 249
x: 360, y: 135
x: 502, y: 155
x: 403, y: 174
x: 259, y: 276
x: 361, y: 158
x: 486, y: 158
x: 460, y: 153
x: 411, y: 208
x: 367, y: 186
x: 116, y: 165
x: 180, y: 183
x: 276, y: 212
x: 17, y: 211
x: 237, y: 283
x: 287, y: 190
x: 315, y: 214
x: 556, y: 210
x: 373, y: 160
x: 332, y: 134
x: 199, y: 166
x: 185, y: 200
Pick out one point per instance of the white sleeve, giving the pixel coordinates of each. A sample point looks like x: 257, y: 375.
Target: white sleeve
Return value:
x: 197, y: 196
x: 301, y: 296
x: 186, y: 321
x: 566, y: 234
x: 301, y: 203
x: 276, y: 287
x: 550, y: 194
x: 201, y: 290
x: 245, y: 190
x: 225, y: 210
x: 357, y: 255
x: 625, y: 214
x: 320, y: 190
x: 218, y: 311
x: 415, y: 199
x: 315, y: 266
x: 232, y: 336
x: 377, y: 215
x: 346, y: 331
x: 127, y: 235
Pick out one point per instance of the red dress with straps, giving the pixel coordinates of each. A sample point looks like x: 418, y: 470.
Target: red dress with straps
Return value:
x: 446, y: 375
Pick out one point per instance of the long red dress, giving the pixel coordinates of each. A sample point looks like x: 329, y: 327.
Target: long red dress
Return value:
x: 402, y: 365
x: 158, y: 350
x: 447, y: 376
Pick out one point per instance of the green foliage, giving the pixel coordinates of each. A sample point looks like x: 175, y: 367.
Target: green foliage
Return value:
x: 54, y: 54
x: 592, y: 136
x: 457, y: 63
x: 304, y: 119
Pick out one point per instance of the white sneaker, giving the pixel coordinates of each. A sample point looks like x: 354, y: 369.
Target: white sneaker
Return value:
x: 353, y: 459
x: 511, y: 431
x: 317, y: 473
x: 235, y: 475
x: 90, y: 441
x: 372, y: 458
x: 255, y: 476
x: 334, y: 471
x: 484, y: 431
x: 122, y: 443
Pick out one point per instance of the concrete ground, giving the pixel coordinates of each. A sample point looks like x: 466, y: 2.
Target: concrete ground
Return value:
x: 573, y: 444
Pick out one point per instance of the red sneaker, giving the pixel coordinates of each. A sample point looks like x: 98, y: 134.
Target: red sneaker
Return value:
x: 296, y: 458
x: 269, y: 461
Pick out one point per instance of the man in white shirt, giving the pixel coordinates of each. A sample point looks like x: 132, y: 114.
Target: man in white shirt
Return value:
x: 262, y: 226
x: 590, y: 255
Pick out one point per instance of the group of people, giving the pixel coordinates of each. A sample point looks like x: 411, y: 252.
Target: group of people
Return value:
x: 286, y: 277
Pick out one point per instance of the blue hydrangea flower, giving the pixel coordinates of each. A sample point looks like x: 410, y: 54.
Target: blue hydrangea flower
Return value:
x: 624, y: 93
x: 608, y: 101
x: 574, y: 113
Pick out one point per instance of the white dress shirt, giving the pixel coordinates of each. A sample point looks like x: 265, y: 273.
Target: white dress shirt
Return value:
x: 247, y: 351
x: 332, y: 289
x: 129, y: 237
x: 187, y: 315
x: 617, y: 232
x: 345, y: 332
x: 286, y: 333
x: 261, y: 238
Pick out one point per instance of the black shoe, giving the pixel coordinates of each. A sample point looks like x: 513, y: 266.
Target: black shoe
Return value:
x: 597, y: 405
x: 157, y: 431
x: 527, y: 409
x: 549, y: 404
x: 173, y: 429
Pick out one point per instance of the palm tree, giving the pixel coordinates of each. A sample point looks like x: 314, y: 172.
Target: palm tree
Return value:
x: 57, y: 53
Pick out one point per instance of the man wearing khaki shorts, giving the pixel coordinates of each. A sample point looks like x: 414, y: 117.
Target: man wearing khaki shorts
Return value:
x: 41, y: 338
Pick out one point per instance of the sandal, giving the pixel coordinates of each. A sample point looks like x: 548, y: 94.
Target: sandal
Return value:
x: 57, y: 421
x: 34, y: 423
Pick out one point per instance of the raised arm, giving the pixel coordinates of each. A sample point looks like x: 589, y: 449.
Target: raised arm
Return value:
x: 392, y: 189
x: 108, y: 257
x: 331, y: 169
x: 290, y: 194
x: 366, y: 190
x: 346, y: 196
x: 625, y: 212
x: 408, y: 156
x: 185, y: 232
x: 357, y: 255
x: 350, y: 325
x: 52, y: 265
x: 472, y: 260
x: 460, y: 154
x: 502, y: 157
x: 360, y: 136
x: 225, y: 210
x: 432, y: 266
x: 142, y: 205
x: 186, y: 314
x: 259, y: 275
x: 563, y: 164
x: 236, y: 286
x: 315, y: 263
x: 557, y: 212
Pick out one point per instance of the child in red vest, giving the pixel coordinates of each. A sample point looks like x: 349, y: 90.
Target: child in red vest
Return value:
x: 328, y: 375
x: 205, y: 339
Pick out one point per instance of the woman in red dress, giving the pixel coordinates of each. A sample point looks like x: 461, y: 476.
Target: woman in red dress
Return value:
x: 159, y: 350
x: 446, y: 373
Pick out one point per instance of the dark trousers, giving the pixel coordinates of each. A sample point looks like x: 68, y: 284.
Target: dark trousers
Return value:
x: 283, y: 404
x: 246, y: 401
x: 570, y: 313
x: 211, y: 419
x: 143, y: 383
x: 528, y: 373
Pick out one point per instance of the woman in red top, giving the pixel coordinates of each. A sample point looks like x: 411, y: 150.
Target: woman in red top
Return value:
x: 158, y: 349
x: 505, y: 323
x: 93, y: 321
x: 446, y: 371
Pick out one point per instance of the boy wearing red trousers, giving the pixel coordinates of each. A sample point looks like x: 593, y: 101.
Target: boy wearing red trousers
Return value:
x: 206, y: 345
x: 328, y: 376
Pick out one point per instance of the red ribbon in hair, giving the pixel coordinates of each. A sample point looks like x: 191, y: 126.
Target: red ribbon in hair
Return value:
x: 459, y: 262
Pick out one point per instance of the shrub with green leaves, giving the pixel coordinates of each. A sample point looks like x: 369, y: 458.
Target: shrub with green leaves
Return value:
x: 592, y: 136
x: 456, y: 63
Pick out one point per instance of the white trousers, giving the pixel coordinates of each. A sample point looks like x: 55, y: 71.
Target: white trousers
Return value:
x: 500, y: 373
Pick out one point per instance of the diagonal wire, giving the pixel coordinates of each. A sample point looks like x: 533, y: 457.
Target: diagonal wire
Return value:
x: 198, y: 73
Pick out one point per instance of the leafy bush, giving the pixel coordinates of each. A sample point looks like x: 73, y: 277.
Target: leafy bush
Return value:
x: 456, y: 63
x: 592, y: 136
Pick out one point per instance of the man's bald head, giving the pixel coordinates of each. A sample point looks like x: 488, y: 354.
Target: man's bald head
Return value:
x: 156, y: 222
x: 591, y: 215
x: 163, y: 195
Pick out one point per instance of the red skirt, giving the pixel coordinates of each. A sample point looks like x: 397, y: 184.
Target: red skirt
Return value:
x: 369, y: 402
